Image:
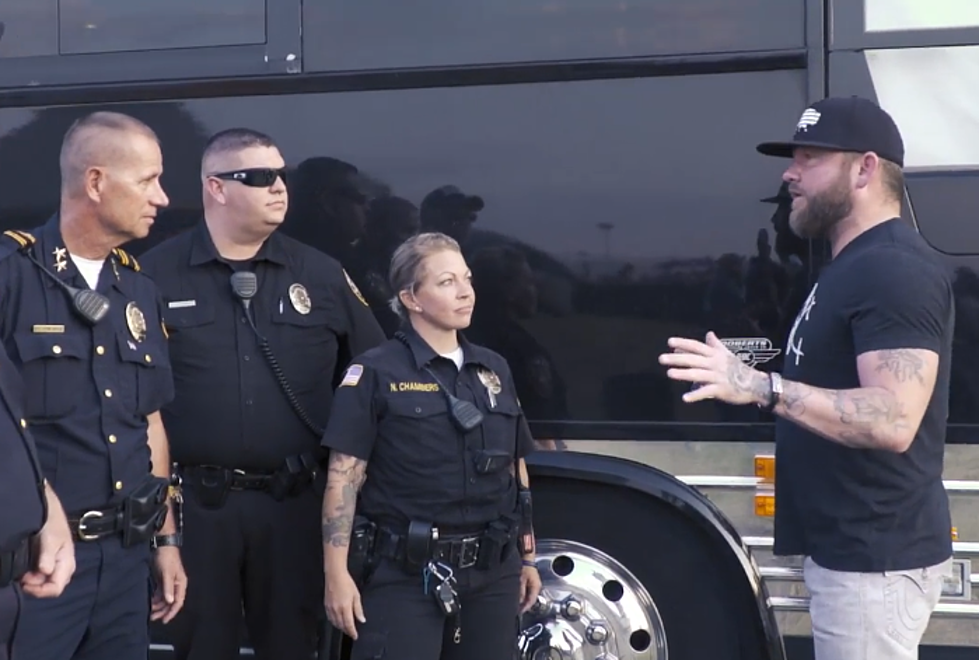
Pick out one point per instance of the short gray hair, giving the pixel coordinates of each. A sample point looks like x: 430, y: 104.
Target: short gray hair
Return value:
x: 407, y: 262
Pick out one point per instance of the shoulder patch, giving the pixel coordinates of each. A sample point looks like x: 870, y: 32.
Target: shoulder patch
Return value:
x: 353, y: 287
x: 352, y: 376
x: 126, y: 259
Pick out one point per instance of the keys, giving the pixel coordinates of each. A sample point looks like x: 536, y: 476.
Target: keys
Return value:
x: 445, y: 595
x: 492, y: 398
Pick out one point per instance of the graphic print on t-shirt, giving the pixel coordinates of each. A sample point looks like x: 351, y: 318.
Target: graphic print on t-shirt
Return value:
x: 795, y: 345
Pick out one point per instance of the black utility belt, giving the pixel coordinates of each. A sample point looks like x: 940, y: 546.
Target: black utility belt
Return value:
x: 15, y: 563
x: 210, y: 484
x: 137, y: 519
x: 423, y: 543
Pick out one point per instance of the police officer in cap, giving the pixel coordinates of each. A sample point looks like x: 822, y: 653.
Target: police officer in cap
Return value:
x: 427, y: 427
x: 261, y: 327
x: 83, y: 326
x: 36, y: 552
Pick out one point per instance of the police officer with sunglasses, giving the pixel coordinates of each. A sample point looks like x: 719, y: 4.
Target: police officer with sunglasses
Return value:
x: 429, y: 546
x: 261, y: 327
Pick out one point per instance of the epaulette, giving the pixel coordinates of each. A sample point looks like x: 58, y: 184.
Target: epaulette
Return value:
x: 126, y: 259
x: 22, y: 238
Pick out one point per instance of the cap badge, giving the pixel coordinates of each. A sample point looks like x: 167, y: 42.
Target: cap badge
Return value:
x: 809, y: 118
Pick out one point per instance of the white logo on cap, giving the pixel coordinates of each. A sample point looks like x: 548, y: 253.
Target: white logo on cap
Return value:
x: 809, y: 118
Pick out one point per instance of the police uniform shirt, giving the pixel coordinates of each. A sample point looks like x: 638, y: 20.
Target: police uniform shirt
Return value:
x: 230, y: 409
x: 392, y: 413
x: 863, y: 509
x: 22, y: 501
x: 88, y: 389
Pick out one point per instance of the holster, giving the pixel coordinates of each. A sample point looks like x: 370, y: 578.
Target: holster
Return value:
x: 361, y: 558
x: 211, y: 486
x: 293, y: 477
x: 418, y: 546
x: 144, y: 511
x: 495, y: 547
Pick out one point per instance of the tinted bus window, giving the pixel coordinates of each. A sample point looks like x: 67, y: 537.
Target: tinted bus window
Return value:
x: 366, y: 34
x: 598, y: 217
x: 30, y: 27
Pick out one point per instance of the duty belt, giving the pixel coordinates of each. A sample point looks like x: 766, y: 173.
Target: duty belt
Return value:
x: 455, y: 551
x: 239, y: 479
x: 96, y: 524
x: 15, y: 563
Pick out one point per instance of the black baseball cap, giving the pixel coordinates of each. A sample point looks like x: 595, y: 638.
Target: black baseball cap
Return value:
x: 843, y: 123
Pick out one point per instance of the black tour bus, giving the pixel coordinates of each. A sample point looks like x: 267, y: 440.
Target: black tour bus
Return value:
x: 610, y: 196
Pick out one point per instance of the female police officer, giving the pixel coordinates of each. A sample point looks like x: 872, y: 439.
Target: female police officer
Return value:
x: 427, y: 428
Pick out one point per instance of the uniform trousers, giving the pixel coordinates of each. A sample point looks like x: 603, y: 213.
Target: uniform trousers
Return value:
x: 404, y: 623
x: 871, y: 616
x: 9, y: 610
x: 256, y: 556
x: 103, y: 613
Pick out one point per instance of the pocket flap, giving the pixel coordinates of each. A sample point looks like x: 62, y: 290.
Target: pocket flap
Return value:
x: 186, y: 315
x: 145, y: 353
x: 34, y: 346
x: 407, y: 405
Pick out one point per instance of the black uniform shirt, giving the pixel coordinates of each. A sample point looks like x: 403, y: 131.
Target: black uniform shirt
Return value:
x: 868, y: 510
x: 88, y: 389
x: 230, y: 409
x: 22, y: 502
x: 392, y: 413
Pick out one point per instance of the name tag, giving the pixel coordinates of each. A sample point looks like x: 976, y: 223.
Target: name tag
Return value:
x: 414, y: 387
x: 179, y: 304
x: 48, y: 329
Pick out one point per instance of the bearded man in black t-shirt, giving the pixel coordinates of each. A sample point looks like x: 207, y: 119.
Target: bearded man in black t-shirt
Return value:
x: 862, y: 403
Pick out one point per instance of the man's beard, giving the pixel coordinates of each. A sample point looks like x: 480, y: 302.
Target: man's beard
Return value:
x: 823, y: 211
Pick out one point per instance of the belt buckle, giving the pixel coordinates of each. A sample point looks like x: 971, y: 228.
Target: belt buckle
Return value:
x: 468, y: 552
x: 88, y: 515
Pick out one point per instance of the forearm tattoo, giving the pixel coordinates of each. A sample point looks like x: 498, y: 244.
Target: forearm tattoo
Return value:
x: 346, y: 476
x: 743, y: 378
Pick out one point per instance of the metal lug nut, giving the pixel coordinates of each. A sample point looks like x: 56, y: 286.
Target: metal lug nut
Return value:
x: 571, y: 608
x: 597, y: 633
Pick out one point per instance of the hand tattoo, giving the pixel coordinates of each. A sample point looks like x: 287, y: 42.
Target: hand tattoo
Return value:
x: 745, y: 380
x: 346, y: 476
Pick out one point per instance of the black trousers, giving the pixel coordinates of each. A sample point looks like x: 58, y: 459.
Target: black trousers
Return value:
x: 254, y: 556
x: 404, y: 623
x: 103, y: 613
x: 9, y: 610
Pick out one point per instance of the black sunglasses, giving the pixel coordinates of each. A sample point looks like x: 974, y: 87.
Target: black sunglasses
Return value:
x: 256, y: 177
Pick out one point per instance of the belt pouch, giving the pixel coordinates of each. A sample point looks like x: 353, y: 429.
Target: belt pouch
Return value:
x: 144, y: 511
x: 492, y: 546
x: 418, y: 546
x: 361, y: 554
x: 211, y: 486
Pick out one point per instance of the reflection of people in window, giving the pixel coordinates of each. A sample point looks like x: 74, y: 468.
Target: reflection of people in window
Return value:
x: 507, y: 295
x: 327, y: 208
x: 390, y: 222
x: 450, y: 211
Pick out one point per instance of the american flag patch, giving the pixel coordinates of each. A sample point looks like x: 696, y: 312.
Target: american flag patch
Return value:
x: 352, y: 375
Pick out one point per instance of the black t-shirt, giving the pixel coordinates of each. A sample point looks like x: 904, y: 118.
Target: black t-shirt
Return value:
x: 861, y: 509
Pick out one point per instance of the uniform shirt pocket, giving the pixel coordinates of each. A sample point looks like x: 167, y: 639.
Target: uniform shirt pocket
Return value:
x: 144, y: 375
x: 500, y: 424
x: 54, y: 370
x: 305, y: 344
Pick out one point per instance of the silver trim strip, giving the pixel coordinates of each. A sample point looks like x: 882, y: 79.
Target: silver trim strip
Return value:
x: 790, y: 573
x: 801, y: 604
x: 766, y: 542
x: 733, y: 481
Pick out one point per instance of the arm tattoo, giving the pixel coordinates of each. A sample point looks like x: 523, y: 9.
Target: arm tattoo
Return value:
x: 862, y: 418
x: 346, y: 475
x: 903, y: 364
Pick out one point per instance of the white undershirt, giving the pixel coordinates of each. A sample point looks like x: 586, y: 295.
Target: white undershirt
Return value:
x: 89, y: 268
x: 455, y: 356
